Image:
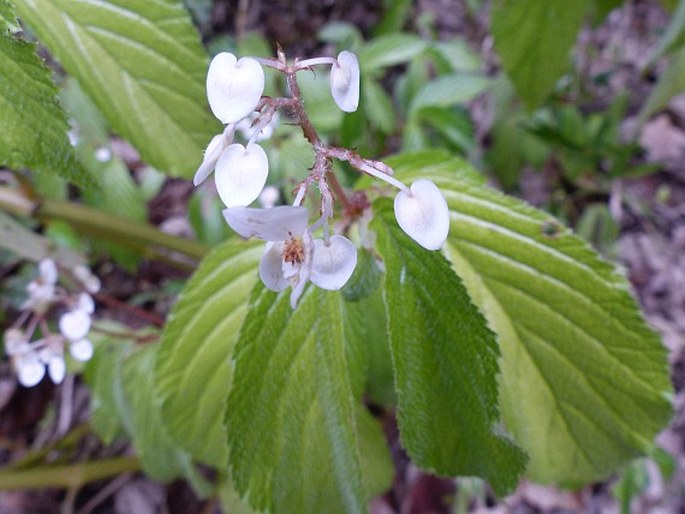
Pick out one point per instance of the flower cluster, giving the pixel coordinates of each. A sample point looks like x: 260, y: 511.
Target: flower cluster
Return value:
x: 30, y: 358
x: 293, y: 256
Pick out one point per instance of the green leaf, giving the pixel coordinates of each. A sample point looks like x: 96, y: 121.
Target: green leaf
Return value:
x: 604, y: 7
x: 450, y: 90
x: 291, y: 414
x: 533, y: 40
x: 390, y: 50
x: 142, y: 64
x: 445, y: 361
x: 674, y: 36
x: 159, y: 457
x: 192, y: 374
x: 585, y: 385
x: 670, y: 84
x: 378, y: 106
x: 34, y: 126
x: 7, y: 16
x: 454, y: 126
x: 110, y: 416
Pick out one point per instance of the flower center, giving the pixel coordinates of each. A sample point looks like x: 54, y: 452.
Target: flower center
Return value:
x: 293, y: 251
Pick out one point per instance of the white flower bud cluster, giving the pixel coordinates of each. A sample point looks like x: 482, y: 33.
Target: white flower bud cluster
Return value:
x: 293, y: 256
x: 30, y: 358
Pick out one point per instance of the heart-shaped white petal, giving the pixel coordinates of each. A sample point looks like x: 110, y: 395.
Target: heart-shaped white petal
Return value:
x: 86, y: 303
x: 74, y: 325
x: 275, y: 224
x: 56, y: 369
x: 212, y: 154
x: 30, y: 370
x: 333, y: 264
x: 345, y: 81
x: 422, y: 213
x: 241, y: 174
x: 81, y: 350
x: 271, y: 267
x: 234, y: 87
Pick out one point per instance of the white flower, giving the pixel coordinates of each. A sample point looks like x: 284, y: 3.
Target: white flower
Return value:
x: 241, y: 174
x: 30, y: 369
x: 422, y: 213
x: 75, y: 324
x: 81, y: 350
x: 90, y: 282
x: 292, y: 257
x: 345, y: 81
x: 234, y: 87
x: 42, y: 290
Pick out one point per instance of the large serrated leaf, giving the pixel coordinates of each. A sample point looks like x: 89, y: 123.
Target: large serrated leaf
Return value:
x: 291, y: 414
x: 34, y: 126
x: 585, y: 384
x: 534, y: 40
x: 445, y: 362
x: 142, y: 64
x: 192, y: 374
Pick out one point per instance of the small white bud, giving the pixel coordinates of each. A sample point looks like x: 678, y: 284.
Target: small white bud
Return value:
x: 81, y: 350
x: 74, y: 325
x: 87, y: 279
x: 57, y: 368
x: 30, y: 370
x: 345, y: 81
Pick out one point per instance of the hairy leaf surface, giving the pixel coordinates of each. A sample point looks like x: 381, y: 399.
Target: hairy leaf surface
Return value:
x: 445, y: 362
x: 293, y: 411
x: 142, y: 64
x: 34, y: 126
x: 585, y: 385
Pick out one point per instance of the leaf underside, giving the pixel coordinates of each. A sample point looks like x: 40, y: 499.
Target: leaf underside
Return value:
x: 585, y: 384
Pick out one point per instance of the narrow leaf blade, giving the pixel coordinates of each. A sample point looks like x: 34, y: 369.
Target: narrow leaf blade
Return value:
x: 445, y: 361
x: 534, y: 40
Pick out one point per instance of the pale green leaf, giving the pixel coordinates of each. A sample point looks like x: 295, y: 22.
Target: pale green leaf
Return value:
x: 378, y: 107
x: 192, y: 374
x: 670, y: 84
x: 110, y: 416
x: 291, y: 414
x: 34, y: 126
x: 390, y: 50
x: 159, y: 457
x: 450, y: 90
x: 585, y: 384
x: 142, y: 64
x: 534, y: 40
x: 6, y: 14
x: 445, y: 361
x: 674, y: 37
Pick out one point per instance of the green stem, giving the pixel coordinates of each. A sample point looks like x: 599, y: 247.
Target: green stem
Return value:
x: 73, y: 475
x: 142, y: 237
